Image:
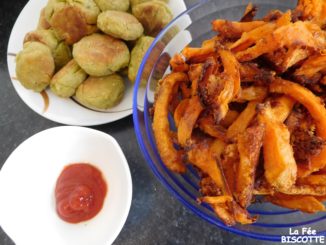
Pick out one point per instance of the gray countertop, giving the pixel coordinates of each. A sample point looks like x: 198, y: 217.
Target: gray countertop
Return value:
x: 155, y: 217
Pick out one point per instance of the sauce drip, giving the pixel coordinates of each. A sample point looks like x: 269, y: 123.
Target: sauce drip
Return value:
x: 80, y: 192
x: 46, y: 100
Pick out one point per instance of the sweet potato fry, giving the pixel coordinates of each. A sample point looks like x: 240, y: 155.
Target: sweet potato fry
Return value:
x: 284, y: 58
x: 234, y: 29
x: 174, y: 95
x: 161, y: 127
x: 312, y: 10
x: 281, y: 107
x: 185, y: 90
x: 249, y: 13
x: 231, y: 77
x: 279, y: 163
x: 208, y: 83
x: 293, y: 56
x: 245, y: 129
x: 317, y: 111
x: 259, y: 49
x: 179, y: 111
x: 318, y: 190
x: 321, y: 198
x: 178, y: 64
x: 208, y: 126
x: 314, y: 179
x: 308, y: 204
x: 252, y: 93
x: 241, y: 215
x: 298, y: 34
x: 273, y: 15
x: 203, y: 155
x: 261, y: 33
x: 207, y: 49
x: 249, y: 145
x: 263, y: 191
x: 251, y: 37
x: 189, y: 119
x: 322, y: 171
x: 215, y: 199
x: 229, y: 162
x: 312, y: 66
x: 195, y: 72
x: 224, y: 214
x: 230, y: 117
x: 323, y: 80
x: 242, y: 121
x: 250, y: 72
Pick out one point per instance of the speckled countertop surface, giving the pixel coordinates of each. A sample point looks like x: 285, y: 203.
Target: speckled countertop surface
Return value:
x: 156, y: 217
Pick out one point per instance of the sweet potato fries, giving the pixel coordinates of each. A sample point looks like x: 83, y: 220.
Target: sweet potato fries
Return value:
x: 249, y: 112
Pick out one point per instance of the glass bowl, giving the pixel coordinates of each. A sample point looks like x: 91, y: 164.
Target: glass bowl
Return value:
x: 191, y: 28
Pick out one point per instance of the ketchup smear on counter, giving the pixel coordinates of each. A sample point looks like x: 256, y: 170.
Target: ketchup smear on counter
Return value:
x: 80, y: 192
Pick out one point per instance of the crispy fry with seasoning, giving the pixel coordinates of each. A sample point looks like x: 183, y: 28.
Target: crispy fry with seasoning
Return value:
x: 249, y: 13
x: 312, y: 10
x: 242, y: 121
x: 310, y: 70
x: 308, y: 204
x: 245, y: 129
x: 279, y: 163
x: 258, y: 93
x: 234, y: 29
x: 231, y: 79
x: 313, y: 179
x: 298, y: 34
x: 317, y: 111
x: 230, y: 117
x: 249, y: 145
x: 203, y: 156
x: 208, y: 126
x: 189, y: 119
x: 161, y: 126
x: 180, y: 110
x: 206, y: 49
x: 178, y: 64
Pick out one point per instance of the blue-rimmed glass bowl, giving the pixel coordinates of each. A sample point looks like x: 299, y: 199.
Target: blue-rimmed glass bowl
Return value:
x: 191, y: 28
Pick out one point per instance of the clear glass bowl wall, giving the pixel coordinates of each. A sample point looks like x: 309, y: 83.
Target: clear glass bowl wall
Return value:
x: 191, y: 28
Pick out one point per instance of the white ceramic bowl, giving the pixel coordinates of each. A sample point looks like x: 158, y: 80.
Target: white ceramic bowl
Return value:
x: 28, y: 178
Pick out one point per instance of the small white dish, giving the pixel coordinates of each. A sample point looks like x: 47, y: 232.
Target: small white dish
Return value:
x: 28, y: 178
x: 65, y: 111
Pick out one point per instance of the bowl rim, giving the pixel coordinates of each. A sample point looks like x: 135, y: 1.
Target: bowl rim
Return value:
x: 164, y: 182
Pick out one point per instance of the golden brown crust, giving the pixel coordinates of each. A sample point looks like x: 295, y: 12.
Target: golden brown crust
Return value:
x: 69, y: 24
x: 161, y: 126
x: 101, y: 55
x: 249, y: 145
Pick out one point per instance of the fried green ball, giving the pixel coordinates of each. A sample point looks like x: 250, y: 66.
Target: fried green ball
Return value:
x: 101, y: 55
x: 101, y: 92
x: 137, y: 55
x: 153, y: 15
x: 35, y: 66
x: 119, y: 5
x: 72, y: 19
x: 87, y: 8
x: 70, y: 25
x: 120, y: 25
x: 43, y: 24
x: 66, y: 81
x: 135, y: 2
x: 60, y: 51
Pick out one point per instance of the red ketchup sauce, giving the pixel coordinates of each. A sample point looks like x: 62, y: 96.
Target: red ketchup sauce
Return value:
x: 80, y: 192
